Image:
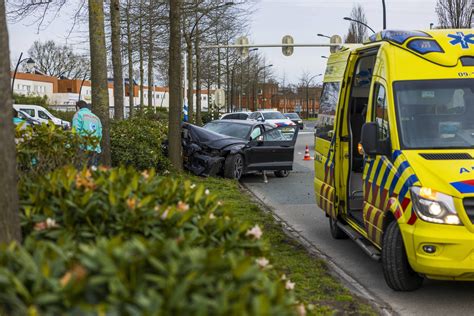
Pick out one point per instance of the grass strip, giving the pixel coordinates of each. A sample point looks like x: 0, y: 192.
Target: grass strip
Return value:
x: 314, y: 285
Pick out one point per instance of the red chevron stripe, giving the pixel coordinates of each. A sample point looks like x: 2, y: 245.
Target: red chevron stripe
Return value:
x: 412, y: 219
x: 374, y: 195
x: 383, y: 197
x: 405, y: 203
x: 398, y: 213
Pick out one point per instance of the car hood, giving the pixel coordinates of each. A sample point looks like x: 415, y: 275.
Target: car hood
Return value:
x: 211, y: 139
x: 280, y: 121
x: 442, y: 172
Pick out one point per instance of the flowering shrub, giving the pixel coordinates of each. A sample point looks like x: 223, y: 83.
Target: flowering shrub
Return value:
x: 85, y: 205
x: 137, y: 142
x: 117, y: 241
x: 136, y: 277
x: 43, y: 148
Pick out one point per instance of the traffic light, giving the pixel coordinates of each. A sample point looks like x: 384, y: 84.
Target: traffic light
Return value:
x: 288, y: 50
x: 243, y: 51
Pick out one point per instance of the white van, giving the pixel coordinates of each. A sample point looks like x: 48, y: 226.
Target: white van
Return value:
x: 41, y: 114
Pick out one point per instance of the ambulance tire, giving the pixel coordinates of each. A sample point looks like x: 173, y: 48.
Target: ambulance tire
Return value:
x: 396, y: 268
x: 336, y: 232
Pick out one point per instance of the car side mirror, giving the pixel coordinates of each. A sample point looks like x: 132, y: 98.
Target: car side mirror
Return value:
x: 370, y: 142
x: 260, y: 119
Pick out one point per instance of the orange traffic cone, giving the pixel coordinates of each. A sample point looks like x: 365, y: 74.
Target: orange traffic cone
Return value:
x: 306, y: 154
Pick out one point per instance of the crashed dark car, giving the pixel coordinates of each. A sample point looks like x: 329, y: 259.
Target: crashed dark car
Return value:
x: 231, y: 148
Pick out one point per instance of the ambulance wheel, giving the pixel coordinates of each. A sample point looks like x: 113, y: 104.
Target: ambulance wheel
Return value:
x: 281, y: 173
x: 336, y: 232
x: 396, y: 269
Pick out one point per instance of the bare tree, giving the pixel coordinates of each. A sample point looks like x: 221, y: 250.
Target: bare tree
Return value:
x: 453, y: 13
x: 100, y: 91
x: 116, y: 58
x: 131, y: 87
x: 57, y: 60
x: 9, y: 219
x: 357, y: 32
x: 174, y: 128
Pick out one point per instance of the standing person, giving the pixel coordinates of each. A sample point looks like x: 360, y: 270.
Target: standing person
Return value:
x: 87, y: 123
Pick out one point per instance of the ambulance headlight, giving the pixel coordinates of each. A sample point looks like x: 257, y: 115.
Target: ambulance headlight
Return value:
x: 434, y: 207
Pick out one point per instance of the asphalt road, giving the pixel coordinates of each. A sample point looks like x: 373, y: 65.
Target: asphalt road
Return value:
x: 293, y: 200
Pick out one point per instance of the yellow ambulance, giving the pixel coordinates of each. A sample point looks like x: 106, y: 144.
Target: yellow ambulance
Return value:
x: 394, y: 161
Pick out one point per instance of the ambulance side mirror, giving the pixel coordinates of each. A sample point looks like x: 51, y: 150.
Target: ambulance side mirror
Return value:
x: 370, y: 142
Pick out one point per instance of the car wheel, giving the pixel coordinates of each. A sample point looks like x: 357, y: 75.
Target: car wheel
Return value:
x: 281, y: 173
x: 234, y: 166
x: 336, y: 232
x: 396, y: 269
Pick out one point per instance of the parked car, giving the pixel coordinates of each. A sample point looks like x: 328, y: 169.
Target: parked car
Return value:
x: 20, y: 117
x: 235, y: 116
x: 295, y: 118
x: 232, y: 148
x: 272, y: 117
x: 42, y: 115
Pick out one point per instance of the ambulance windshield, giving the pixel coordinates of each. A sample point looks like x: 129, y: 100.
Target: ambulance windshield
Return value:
x: 435, y: 114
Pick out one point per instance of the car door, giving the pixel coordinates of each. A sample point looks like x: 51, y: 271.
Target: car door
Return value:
x: 273, y: 150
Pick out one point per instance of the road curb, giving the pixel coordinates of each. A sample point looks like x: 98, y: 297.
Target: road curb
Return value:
x: 352, y: 284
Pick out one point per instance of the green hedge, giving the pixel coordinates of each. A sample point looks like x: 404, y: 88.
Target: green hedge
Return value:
x: 46, y: 147
x: 137, y: 142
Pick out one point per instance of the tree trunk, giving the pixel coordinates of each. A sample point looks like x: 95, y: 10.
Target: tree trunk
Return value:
x: 131, y: 86
x: 174, y: 122
x: 100, y: 91
x: 227, y: 80
x: 190, y: 94
x: 150, y: 61
x: 116, y: 58
x: 198, y: 78
x: 142, y: 70
x: 10, y: 229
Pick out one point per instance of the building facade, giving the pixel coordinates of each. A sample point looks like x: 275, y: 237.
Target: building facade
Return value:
x: 63, y: 94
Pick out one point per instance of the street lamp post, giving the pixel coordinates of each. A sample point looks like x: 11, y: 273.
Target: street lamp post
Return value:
x: 263, y: 89
x: 30, y: 63
x: 307, y: 93
x: 249, y: 58
x: 322, y: 35
x: 356, y: 21
x: 255, y: 105
x: 384, y: 15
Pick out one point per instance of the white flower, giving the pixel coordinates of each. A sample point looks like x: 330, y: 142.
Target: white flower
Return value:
x: 192, y: 186
x: 94, y: 168
x: 262, y: 262
x: 212, y: 216
x: 50, y: 223
x: 301, y: 310
x: 289, y: 285
x: 165, y: 214
x: 255, y: 232
x: 207, y: 192
x: 283, y: 277
x: 166, y: 172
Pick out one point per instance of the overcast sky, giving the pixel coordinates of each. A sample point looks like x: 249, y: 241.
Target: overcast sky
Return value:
x: 273, y: 19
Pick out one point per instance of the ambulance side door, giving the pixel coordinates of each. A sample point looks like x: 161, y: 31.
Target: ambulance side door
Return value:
x: 378, y: 170
x: 324, y: 160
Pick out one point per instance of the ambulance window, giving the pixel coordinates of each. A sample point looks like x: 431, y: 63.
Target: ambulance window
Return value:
x: 327, y: 109
x: 380, y: 111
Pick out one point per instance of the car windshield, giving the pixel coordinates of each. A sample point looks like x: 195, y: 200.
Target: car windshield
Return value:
x: 292, y: 116
x: 229, y: 129
x: 435, y: 113
x: 273, y: 116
